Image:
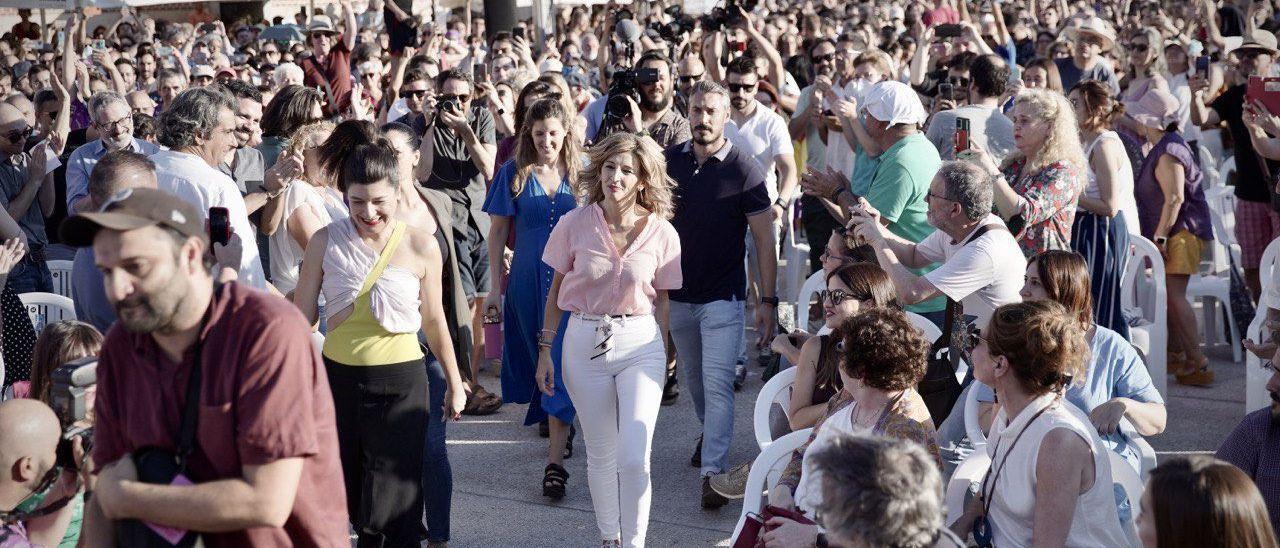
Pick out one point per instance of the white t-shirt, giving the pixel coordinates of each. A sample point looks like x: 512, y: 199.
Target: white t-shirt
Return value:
x: 840, y: 157
x: 286, y: 254
x: 763, y: 136
x: 983, y: 274
x: 190, y: 178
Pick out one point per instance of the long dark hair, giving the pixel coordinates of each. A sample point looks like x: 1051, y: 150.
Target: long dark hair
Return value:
x: 866, y: 282
x: 59, y: 343
x: 1065, y: 278
x: 289, y: 110
x: 335, y: 150
x: 1202, y: 502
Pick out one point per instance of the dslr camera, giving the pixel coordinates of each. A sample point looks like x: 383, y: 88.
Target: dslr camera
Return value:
x: 719, y: 18
x: 625, y: 83
x: 70, y: 382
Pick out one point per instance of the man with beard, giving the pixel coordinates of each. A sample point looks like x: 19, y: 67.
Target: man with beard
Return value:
x: 689, y: 71
x: 808, y: 124
x: 265, y: 470
x: 113, y: 118
x: 666, y: 126
x: 329, y: 65
x: 1254, y: 445
x: 720, y: 192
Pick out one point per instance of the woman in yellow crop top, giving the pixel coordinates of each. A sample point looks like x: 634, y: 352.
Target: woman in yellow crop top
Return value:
x: 381, y: 286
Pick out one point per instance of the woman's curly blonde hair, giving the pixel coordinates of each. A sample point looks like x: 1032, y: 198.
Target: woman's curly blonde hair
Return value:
x: 1063, y: 142
x: 1044, y: 343
x: 655, y: 186
x: 302, y: 137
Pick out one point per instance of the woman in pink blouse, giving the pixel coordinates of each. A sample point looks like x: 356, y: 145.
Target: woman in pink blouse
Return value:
x: 615, y: 259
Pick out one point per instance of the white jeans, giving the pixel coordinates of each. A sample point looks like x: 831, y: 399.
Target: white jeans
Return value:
x: 617, y: 395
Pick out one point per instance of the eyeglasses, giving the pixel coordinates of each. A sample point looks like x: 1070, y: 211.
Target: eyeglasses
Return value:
x: 1139, y: 47
x: 819, y: 59
x: 18, y: 136
x: 974, y: 336
x: 834, y: 296
x: 270, y: 52
x: 462, y: 98
x: 415, y: 93
x: 930, y: 194
x: 735, y: 88
x: 127, y: 120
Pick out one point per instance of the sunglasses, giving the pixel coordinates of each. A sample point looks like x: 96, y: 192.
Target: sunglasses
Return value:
x: 415, y: 93
x: 741, y: 87
x: 370, y: 76
x: 19, y: 136
x: 691, y: 78
x: 819, y: 59
x: 834, y: 296
x: 270, y: 52
x: 460, y: 98
x: 974, y: 336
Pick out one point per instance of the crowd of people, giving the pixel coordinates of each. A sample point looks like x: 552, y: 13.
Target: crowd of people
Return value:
x: 296, y: 244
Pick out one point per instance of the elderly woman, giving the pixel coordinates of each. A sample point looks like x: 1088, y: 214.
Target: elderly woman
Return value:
x: 1116, y: 383
x: 876, y: 491
x: 1037, y: 190
x: 1174, y: 214
x: 884, y: 359
x: 1050, y: 481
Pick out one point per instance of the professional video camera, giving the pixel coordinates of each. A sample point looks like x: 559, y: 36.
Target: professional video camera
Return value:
x: 67, y: 395
x: 625, y: 83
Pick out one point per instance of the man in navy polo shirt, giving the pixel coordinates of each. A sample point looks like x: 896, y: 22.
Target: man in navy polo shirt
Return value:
x: 720, y: 192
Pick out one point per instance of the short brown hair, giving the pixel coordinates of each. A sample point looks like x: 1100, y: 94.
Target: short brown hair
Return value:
x: 1044, y: 344
x: 883, y: 349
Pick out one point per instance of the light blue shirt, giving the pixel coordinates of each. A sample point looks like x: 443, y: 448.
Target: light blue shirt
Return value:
x: 88, y: 292
x: 81, y: 163
x: 594, y: 113
x: 1115, y: 371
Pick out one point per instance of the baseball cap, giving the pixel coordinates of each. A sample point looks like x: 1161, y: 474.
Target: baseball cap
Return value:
x: 134, y: 208
x: 894, y: 102
x: 202, y: 70
x: 1156, y: 108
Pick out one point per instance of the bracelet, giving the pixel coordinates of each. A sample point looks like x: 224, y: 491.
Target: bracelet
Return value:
x: 546, y: 345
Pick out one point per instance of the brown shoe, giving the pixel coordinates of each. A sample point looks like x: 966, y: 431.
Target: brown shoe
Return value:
x: 1201, y: 377
x: 481, y: 402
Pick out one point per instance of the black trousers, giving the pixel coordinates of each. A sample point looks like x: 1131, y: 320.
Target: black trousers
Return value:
x: 381, y: 414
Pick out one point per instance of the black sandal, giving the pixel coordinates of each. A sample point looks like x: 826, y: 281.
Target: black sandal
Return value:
x: 568, y: 445
x: 554, y: 480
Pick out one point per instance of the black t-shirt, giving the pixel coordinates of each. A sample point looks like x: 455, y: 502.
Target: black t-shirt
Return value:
x: 713, y: 202
x: 1252, y: 184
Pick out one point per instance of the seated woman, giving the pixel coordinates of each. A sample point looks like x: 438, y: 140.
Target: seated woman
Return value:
x: 876, y: 491
x: 836, y: 254
x: 883, y: 360
x: 850, y: 289
x: 1050, y: 481
x: 1202, y: 501
x: 1116, y: 383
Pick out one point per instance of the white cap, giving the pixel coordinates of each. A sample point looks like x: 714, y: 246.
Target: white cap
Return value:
x: 896, y: 103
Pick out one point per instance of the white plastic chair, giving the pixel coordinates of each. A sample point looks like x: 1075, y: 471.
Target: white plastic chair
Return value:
x: 972, y: 427
x: 926, y: 327
x: 61, y: 272
x: 1255, y: 394
x: 1143, y: 289
x: 1123, y: 475
x: 967, y: 473
x: 794, y: 252
x: 765, y: 472
x: 1213, y: 288
x: 815, y: 283
x: 777, y: 390
x: 1146, y: 453
x: 46, y: 308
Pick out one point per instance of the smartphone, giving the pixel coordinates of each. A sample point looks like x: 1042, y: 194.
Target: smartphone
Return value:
x: 946, y: 90
x: 962, y: 135
x: 518, y: 32
x: 480, y: 72
x: 1202, y: 64
x: 100, y: 45
x: 219, y: 225
x: 948, y: 31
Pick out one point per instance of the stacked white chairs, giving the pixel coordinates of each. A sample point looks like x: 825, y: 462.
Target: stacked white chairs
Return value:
x: 47, y: 308
x: 1255, y: 395
x: 765, y: 473
x: 1143, y: 291
x: 61, y: 272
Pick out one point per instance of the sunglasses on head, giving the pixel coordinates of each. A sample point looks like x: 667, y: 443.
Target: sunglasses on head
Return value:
x: 19, y: 136
x: 741, y: 87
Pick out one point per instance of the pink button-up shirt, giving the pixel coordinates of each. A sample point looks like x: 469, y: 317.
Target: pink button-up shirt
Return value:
x: 598, y: 279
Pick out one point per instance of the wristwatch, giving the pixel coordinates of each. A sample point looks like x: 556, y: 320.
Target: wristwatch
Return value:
x: 769, y: 301
x: 821, y: 541
x: 1161, y: 240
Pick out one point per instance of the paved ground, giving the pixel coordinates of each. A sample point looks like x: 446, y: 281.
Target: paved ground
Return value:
x: 498, y: 463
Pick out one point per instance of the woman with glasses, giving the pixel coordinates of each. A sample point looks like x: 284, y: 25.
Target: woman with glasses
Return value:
x: 529, y: 195
x: 1050, y: 478
x: 882, y: 358
x: 1116, y: 384
x: 1147, y: 66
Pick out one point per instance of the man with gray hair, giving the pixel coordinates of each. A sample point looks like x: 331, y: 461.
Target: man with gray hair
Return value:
x: 113, y: 119
x: 199, y: 129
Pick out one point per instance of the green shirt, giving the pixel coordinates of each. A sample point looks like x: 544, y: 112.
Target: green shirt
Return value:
x: 898, y: 191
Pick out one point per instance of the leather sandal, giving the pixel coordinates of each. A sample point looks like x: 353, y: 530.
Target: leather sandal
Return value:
x: 554, y: 480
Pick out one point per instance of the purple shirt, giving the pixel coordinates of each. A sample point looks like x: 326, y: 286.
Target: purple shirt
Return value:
x: 1254, y: 447
x: 1194, y: 215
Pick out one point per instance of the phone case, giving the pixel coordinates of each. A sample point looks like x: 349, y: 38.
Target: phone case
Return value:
x: 1265, y: 90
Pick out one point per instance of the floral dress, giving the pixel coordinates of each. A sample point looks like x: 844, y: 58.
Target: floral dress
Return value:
x: 1048, y: 207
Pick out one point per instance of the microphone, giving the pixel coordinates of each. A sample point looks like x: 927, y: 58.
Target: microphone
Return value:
x: 627, y: 31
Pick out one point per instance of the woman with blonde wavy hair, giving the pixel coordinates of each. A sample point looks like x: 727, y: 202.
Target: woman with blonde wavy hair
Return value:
x: 1037, y: 189
x: 308, y: 204
x: 530, y: 194
x: 615, y: 259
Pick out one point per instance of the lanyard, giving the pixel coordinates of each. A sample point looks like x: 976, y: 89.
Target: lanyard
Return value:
x: 987, y: 496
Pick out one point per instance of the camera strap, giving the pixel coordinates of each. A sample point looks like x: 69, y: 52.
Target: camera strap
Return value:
x: 191, y: 405
x: 22, y: 513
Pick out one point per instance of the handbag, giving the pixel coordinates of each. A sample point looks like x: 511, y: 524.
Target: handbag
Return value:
x: 756, y: 524
x: 1242, y: 309
x: 161, y: 466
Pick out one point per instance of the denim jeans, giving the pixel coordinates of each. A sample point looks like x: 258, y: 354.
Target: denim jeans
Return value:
x: 437, y: 475
x: 29, y: 276
x: 707, y: 338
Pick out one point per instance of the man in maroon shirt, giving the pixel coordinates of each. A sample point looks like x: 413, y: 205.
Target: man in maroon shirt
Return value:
x: 329, y: 65
x: 264, y: 470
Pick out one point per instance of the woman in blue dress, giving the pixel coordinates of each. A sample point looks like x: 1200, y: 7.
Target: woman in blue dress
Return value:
x: 529, y: 194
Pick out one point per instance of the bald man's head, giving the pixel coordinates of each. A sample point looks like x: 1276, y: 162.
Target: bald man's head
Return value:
x: 25, y: 106
x: 13, y: 131
x: 29, y: 433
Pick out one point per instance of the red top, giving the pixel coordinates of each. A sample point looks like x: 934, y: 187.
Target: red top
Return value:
x: 264, y: 397
x: 335, y: 72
